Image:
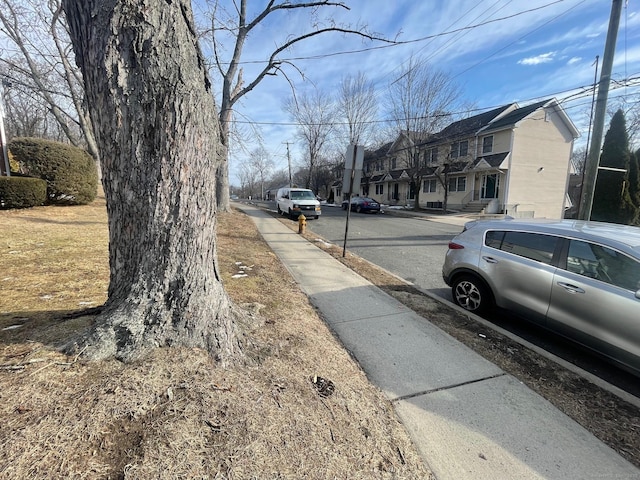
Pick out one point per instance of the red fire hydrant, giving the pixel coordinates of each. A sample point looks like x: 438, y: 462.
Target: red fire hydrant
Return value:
x: 302, y: 223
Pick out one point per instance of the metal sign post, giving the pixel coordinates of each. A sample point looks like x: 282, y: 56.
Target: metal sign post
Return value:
x: 354, y: 160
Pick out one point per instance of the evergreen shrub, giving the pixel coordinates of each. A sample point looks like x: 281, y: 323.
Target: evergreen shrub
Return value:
x: 22, y: 192
x: 70, y: 172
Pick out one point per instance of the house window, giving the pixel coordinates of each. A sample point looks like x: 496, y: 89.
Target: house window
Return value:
x: 380, y: 189
x: 459, y: 149
x: 464, y: 148
x: 457, y: 184
x: 487, y: 144
x: 433, y: 155
x: 429, y: 186
x: 393, y: 163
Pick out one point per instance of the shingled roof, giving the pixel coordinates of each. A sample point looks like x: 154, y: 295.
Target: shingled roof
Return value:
x: 514, y: 117
x: 378, y: 152
x: 471, y: 125
x: 494, y: 160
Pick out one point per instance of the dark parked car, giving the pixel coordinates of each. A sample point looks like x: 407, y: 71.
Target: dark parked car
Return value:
x: 362, y: 205
x: 579, y: 279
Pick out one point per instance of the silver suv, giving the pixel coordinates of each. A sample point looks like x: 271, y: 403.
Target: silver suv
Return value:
x: 580, y: 279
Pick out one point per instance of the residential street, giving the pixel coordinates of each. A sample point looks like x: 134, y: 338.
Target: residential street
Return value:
x: 414, y: 250
x: 394, y: 243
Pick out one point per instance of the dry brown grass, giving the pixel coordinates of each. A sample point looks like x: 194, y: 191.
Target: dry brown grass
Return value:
x: 176, y: 414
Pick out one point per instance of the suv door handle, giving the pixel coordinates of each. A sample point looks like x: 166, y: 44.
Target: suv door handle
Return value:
x: 571, y: 288
x: 490, y: 259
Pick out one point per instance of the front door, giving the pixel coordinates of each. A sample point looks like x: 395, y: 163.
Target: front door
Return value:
x: 489, y: 186
x: 396, y: 193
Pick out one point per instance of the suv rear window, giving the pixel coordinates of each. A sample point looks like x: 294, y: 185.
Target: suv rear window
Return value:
x: 535, y: 246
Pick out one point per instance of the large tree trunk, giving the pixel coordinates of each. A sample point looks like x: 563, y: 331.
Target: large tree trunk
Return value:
x: 222, y: 175
x: 155, y: 123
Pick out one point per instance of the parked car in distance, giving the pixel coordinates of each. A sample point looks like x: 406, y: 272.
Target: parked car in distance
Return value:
x: 579, y: 279
x: 362, y: 205
x: 297, y: 201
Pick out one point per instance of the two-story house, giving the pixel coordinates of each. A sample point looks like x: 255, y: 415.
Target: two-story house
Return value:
x: 512, y: 160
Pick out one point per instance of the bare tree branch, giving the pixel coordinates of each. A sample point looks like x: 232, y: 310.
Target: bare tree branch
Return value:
x: 314, y: 115
x: 358, y: 106
x: 274, y: 63
x: 420, y: 101
x: 40, y: 34
x: 233, y: 87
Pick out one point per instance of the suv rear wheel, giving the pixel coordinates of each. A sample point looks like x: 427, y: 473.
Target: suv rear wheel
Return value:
x: 471, y: 294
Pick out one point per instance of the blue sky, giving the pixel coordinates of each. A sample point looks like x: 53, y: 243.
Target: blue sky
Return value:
x: 505, y: 51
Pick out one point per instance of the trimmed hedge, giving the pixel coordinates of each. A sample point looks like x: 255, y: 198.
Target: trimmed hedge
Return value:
x: 22, y: 192
x: 70, y: 172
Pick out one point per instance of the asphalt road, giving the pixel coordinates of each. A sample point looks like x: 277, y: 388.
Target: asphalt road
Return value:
x: 414, y: 250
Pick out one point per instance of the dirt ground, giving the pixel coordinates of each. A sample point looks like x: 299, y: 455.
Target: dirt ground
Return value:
x: 177, y: 415
x: 611, y: 419
x: 302, y: 410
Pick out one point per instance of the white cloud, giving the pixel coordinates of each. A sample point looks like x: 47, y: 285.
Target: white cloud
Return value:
x: 537, y: 60
x: 459, y: 37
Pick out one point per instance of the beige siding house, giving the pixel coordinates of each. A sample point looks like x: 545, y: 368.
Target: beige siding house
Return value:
x: 513, y: 160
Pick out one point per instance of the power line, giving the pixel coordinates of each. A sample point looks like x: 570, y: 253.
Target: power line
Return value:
x: 518, y: 39
x: 585, y: 91
x: 380, y: 47
x: 404, y: 42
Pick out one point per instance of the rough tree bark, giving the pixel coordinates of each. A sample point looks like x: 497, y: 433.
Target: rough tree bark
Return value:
x: 155, y: 123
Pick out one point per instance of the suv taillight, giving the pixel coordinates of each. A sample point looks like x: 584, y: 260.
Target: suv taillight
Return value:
x: 455, y: 246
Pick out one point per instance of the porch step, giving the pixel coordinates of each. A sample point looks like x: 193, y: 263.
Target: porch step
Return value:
x: 474, y: 207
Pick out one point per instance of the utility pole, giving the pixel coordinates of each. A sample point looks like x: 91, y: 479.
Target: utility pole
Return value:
x: 289, y: 160
x: 593, y: 160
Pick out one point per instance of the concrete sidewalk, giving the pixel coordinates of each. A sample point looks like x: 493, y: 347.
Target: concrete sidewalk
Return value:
x: 469, y: 419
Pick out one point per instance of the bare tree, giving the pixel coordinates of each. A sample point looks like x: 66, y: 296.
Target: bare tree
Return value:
x: 41, y: 69
x: 248, y: 178
x: 632, y: 113
x: 236, y: 26
x: 263, y: 165
x: 323, y: 177
x: 578, y: 159
x: 358, y: 106
x: 26, y: 115
x: 314, y: 113
x: 154, y: 116
x: 420, y: 102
